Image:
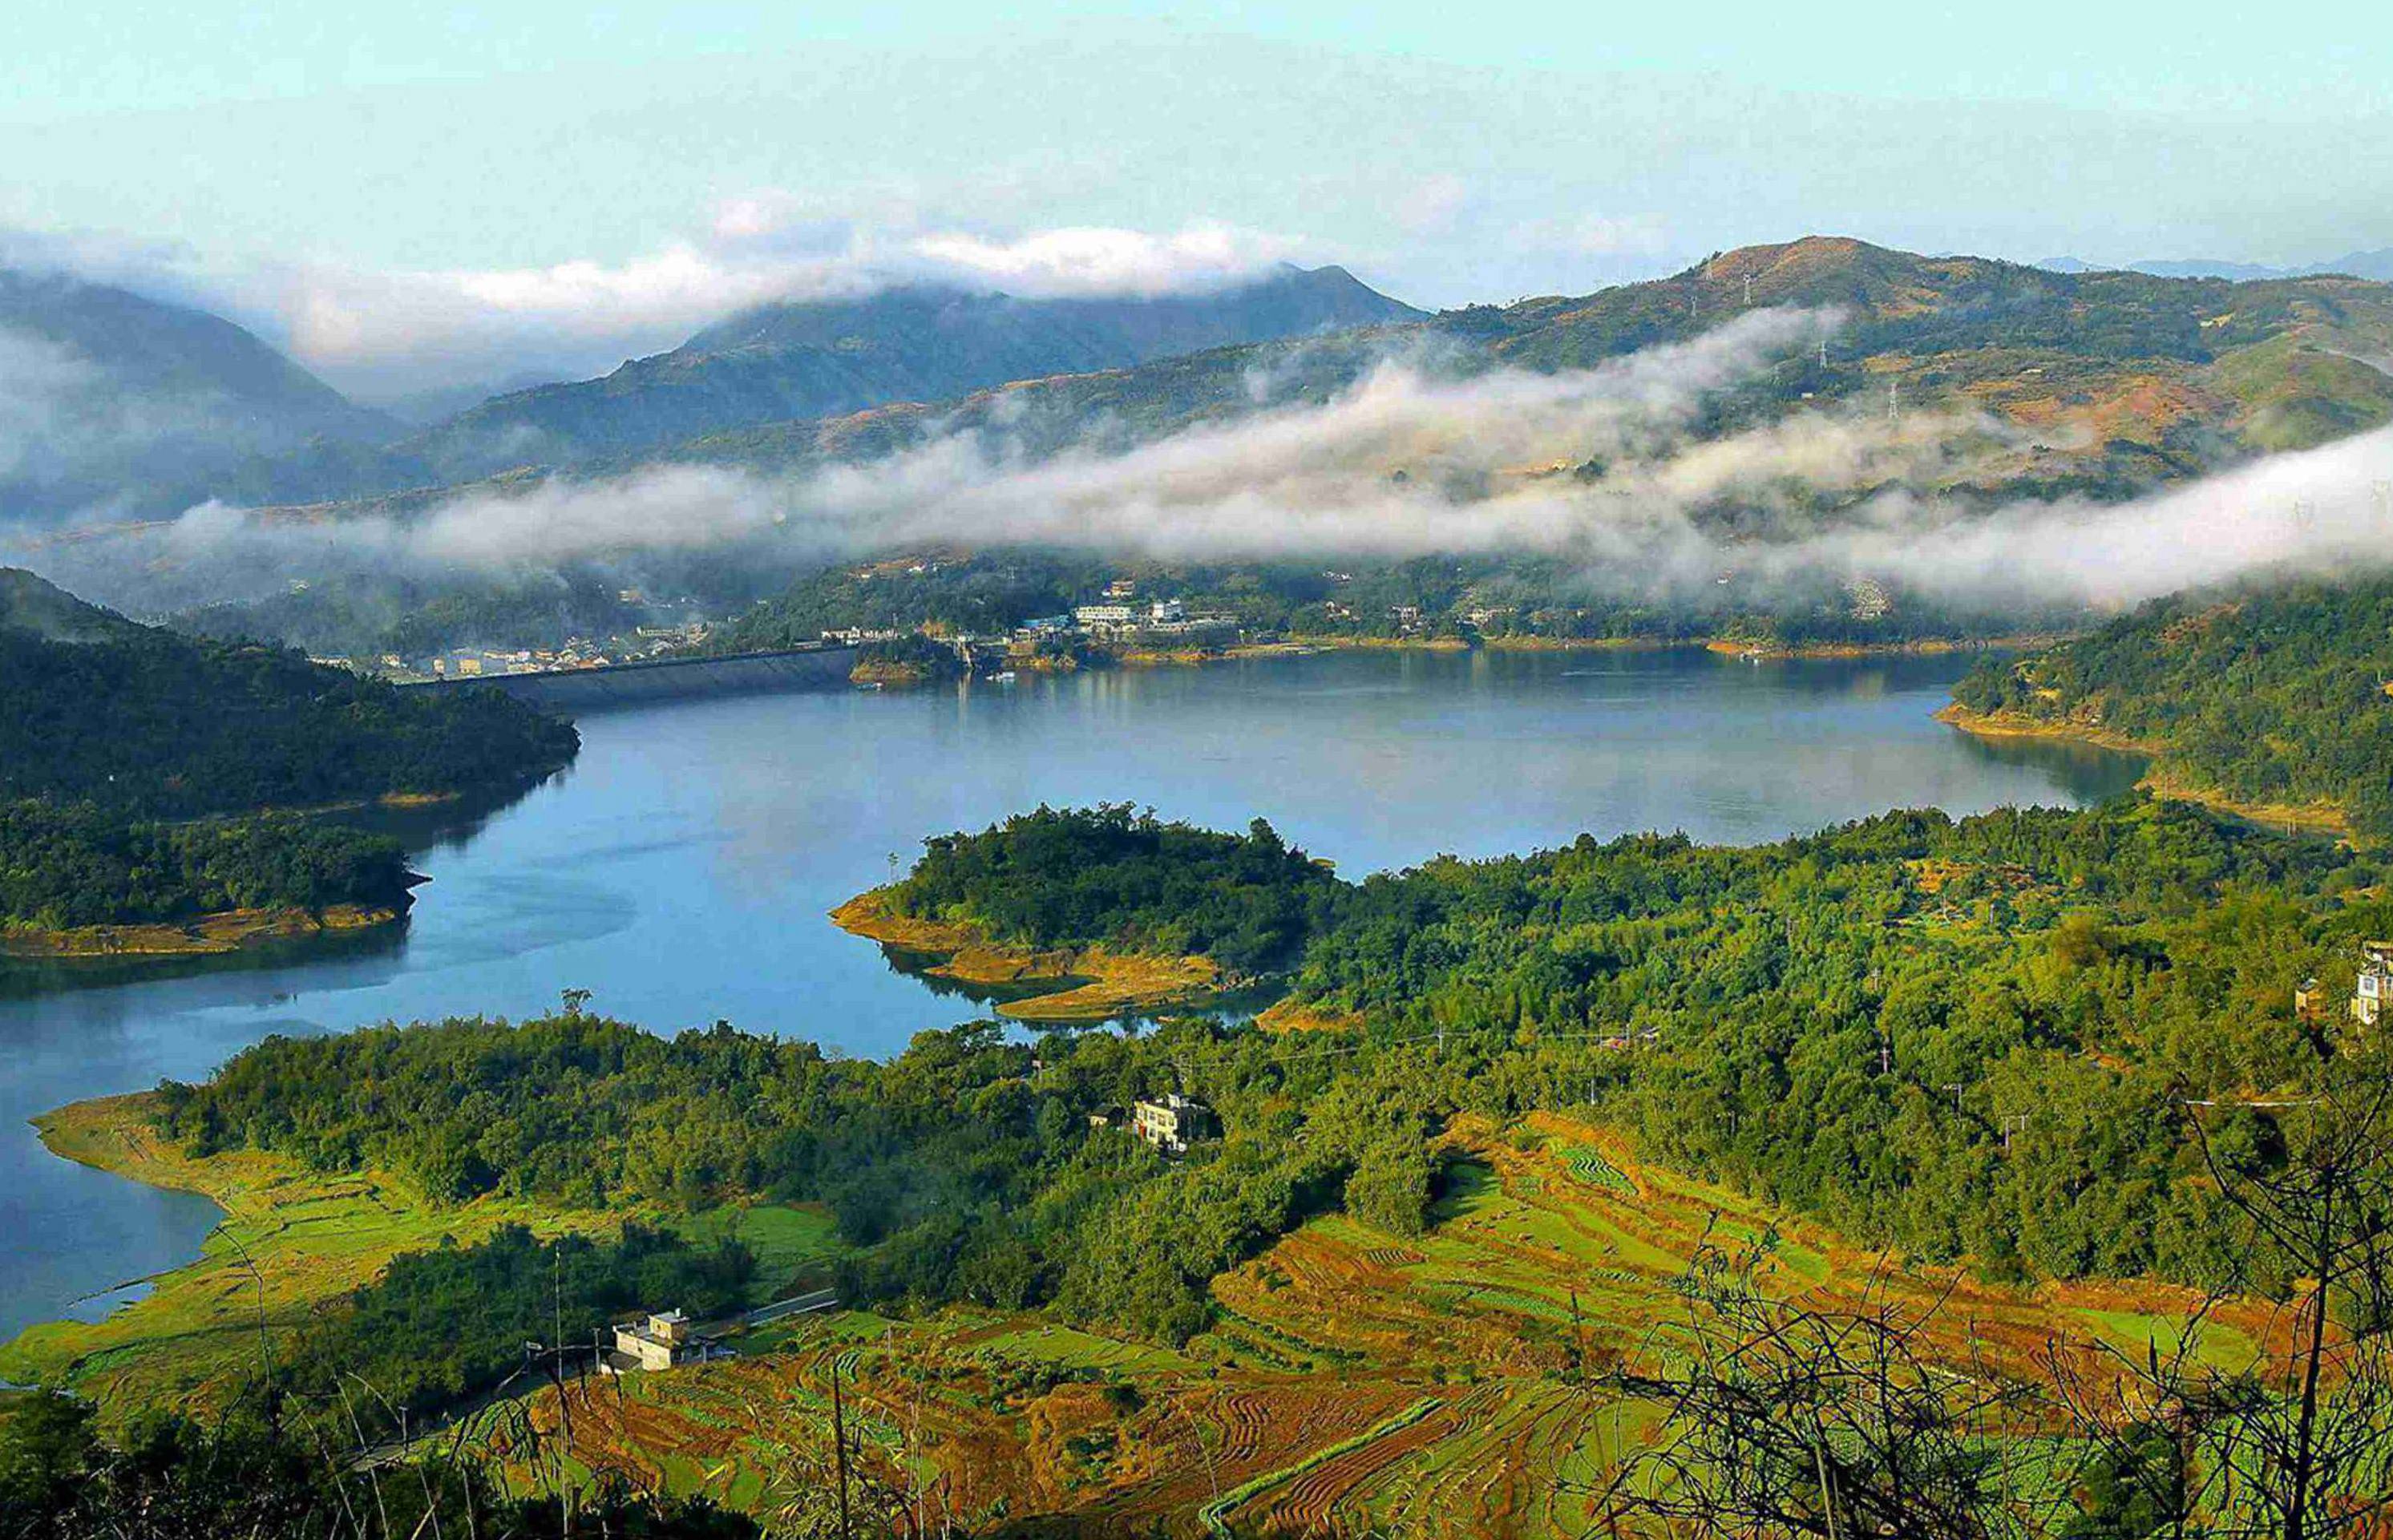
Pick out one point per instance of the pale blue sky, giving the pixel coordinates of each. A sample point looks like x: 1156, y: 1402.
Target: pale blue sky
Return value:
x: 282, y: 159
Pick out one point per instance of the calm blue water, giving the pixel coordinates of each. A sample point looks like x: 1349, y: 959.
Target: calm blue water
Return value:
x: 681, y: 869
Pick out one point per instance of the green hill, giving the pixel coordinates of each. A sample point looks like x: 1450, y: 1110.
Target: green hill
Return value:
x: 816, y: 359
x: 2271, y: 698
x: 113, y: 395
x: 114, y: 734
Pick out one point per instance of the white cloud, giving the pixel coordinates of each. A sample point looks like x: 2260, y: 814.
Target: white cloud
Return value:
x: 1090, y: 260
x: 1607, y: 467
x: 380, y: 333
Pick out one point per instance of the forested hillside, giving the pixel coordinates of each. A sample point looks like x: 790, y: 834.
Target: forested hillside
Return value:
x: 110, y: 731
x: 1967, y: 1040
x: 2271, y: 694
x: 124, y: 397
x: 1528, y: 599
x: 146, y: 722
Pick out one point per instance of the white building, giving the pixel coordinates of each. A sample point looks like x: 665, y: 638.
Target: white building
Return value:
x: 1171, y: 1122
x: 2374, y: 992
x: 661, y: 1340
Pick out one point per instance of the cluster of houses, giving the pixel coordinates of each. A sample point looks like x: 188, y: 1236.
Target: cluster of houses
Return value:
x: 492, y: 662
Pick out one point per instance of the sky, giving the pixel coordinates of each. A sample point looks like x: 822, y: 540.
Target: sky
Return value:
x: 419, y: 197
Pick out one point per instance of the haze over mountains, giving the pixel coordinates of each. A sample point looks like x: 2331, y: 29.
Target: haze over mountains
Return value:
x: 1766, y: 405
x: 152, y: 408
x: 104, y: 392
x: 2377, y: 265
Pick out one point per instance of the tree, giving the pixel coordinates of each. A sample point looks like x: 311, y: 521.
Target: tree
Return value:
x: 1789, y: 1420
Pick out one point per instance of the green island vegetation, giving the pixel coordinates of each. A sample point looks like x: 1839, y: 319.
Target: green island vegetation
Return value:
x: 2270, y: 696
x: 149, y: 778
x: 73, y: 867
x: 1125, y: 879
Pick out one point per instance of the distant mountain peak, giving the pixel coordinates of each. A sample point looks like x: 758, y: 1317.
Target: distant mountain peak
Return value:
x: 820, y: 357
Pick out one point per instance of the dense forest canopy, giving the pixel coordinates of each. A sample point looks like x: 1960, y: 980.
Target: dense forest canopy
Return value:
x: 1805, y: 1011
x: 150, y: 724
x: 112, y: 734
x: 2270, y: 694
x: 1112, y: 875
x: 61, y: 868
x: 436, y: 1326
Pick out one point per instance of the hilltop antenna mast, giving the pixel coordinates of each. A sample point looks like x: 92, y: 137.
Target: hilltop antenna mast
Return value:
x: 1893, y: 402
x: 1693, y: 294
x: 1748, y: 290
x: 1824, y: 352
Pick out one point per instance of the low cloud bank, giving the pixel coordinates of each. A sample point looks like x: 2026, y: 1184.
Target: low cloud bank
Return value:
x: 383, y: 334
x: 1621, y: 469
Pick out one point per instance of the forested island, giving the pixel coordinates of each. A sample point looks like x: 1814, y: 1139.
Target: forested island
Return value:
x: 2270, y: 696
x: 156, y: 790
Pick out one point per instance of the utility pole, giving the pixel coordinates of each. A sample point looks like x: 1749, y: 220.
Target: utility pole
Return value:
x: 839, y: 1445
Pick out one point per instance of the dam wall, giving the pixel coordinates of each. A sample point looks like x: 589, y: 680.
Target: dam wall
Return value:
x: 574, y: 691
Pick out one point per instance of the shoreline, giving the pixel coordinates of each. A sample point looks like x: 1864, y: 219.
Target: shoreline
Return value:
x: 313, y: 1238
x: 1090, y: 983
x: 217, y: 935
x: 2159, y: 778
x: 902, y: 676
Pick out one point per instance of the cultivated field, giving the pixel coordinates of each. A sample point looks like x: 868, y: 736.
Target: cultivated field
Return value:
x: 1447, y: 1384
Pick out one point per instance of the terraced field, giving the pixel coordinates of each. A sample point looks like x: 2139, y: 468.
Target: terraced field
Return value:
x: 1445, y: 1383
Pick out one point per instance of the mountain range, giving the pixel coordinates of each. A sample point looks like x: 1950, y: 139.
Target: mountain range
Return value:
x: 152, y: 407
x: 2127, y: 380
x: 2109, y: 384
x: 2377, y: 265
x: 104, y: 392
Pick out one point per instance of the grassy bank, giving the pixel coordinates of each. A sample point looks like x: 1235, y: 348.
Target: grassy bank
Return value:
x: 1089, y: 984
x: 292, y: 1240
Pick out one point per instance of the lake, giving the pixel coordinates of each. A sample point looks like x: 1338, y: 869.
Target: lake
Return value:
x: 681, y: 869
